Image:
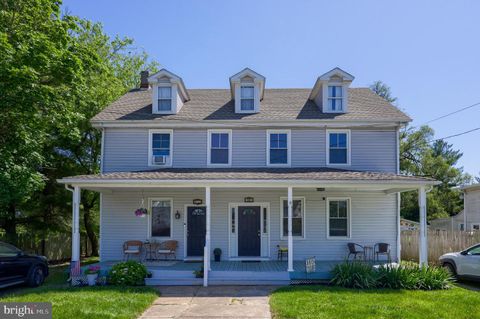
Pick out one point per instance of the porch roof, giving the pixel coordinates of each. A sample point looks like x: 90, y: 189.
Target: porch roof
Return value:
x: 252, y: 177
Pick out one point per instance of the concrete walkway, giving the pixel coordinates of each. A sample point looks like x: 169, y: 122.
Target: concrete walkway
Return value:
x: 211, y: 302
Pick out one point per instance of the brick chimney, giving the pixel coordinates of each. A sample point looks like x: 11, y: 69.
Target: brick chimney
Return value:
x: 144, y: 80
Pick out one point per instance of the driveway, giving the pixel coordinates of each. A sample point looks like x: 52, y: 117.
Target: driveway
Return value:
x: 211, y: 302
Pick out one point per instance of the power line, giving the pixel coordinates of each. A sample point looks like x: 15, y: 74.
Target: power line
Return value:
x: 454, y: 112
x: 455, y: 135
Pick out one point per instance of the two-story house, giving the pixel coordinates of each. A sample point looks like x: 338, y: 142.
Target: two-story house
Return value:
x: 250, y: 170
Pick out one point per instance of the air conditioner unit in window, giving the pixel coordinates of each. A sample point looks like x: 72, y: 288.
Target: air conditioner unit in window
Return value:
x: 159, y: 159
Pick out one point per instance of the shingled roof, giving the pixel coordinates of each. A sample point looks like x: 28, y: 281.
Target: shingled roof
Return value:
x: 277, y: 104
x: 257, y: 174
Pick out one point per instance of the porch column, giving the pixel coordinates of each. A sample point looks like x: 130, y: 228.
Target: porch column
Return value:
x: 76, y: 225
x: 422, y: 204
x: 290, y: 238
x: 206, y: 257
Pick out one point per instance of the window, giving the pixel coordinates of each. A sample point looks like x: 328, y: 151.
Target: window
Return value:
x: 278, y: 148
x: 474, y: 251
x: 164, y: 98
x: 335, y: 98
x: 7, y: 250
x: 338, y: 217
x: 160, y: 148
x: 265, y: 221
x: 461, y: 227
x: 475, y: 226
x: 219, y: 147
x: 338, y: 147
x: 161, y: 218
x: 298, y: 216
x: 247, y: 99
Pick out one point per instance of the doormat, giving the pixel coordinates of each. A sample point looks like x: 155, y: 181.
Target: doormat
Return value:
x: 251, y: 261
x: 193, y: 261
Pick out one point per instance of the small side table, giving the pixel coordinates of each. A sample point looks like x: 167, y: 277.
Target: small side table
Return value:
x: 150, y: 251
x: 369, y: 254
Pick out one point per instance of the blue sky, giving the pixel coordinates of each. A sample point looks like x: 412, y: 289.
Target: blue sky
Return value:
x: 427, y: 51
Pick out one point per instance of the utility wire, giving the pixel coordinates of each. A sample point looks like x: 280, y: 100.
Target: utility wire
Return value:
x: 454, y: 112
x: 455, y: 135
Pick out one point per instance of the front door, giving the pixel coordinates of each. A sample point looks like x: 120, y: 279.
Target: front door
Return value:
x: 249, y: 231
x: 196, y: 228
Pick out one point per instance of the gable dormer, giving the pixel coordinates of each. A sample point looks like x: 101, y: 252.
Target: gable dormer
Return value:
x: 168, y: 92
x: 247, y: 89
x: 330, y: 91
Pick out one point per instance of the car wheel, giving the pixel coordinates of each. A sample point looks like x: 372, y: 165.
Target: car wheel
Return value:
x: 37, y: 277
x: 450, y: 268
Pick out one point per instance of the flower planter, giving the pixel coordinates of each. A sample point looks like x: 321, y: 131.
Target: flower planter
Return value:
x: 92, y: 279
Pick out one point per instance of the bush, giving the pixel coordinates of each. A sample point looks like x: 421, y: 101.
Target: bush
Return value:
x: 354, y: 275
x: 403, y: 276
x: 129, y: 273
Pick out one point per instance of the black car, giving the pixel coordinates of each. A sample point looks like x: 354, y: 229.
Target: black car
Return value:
x: 17, y: 267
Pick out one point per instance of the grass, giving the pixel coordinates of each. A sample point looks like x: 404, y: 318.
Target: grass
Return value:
x: 85, y: 302
x: 333, y: 302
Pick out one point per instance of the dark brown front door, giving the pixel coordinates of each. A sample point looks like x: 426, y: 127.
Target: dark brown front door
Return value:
x: 249, y: 231
x: 196, y: 228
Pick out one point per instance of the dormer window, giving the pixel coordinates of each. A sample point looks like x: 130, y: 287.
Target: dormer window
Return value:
x: 330, y: 92
x: 164, y: 98
x: 247, y: 88
x: 335, y: 98
x: 168, y: 92
x: 247, y: 98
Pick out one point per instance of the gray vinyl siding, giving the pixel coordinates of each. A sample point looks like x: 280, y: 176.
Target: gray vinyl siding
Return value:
x: 249, y: 148
x: 126, y: 149
x: 190, y: 148
x: 373, y: 220
x: 374, y: 150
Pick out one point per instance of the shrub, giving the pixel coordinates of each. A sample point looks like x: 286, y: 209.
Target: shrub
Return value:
x: 403, y: 276
x: 354, y: 275
x: 129, y: 273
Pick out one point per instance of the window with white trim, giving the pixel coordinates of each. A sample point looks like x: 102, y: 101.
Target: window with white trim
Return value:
x: 161, y: 218
x: 338, y: 148
x: 219, y: 152
x: 247, y: 98
x: 335, y: 98
x: 164, y: 98
x: 160, y: 148
x: 278, y: 147
x: 338, y: 217
x: 298, y: 216
x: 475, y: 227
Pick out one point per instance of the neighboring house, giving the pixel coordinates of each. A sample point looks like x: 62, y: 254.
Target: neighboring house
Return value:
x: 406, y: 224
x: 469, y: 216
x: 248, y: 169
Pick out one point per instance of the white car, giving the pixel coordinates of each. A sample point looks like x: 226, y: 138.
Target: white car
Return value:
x: 463, y: 265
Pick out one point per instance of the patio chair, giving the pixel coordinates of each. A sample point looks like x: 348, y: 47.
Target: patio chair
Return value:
x: 382, y: 249
x: 132, y: 248
x: 168, y: 248
x: 355, y: 250
x: 281, y: 251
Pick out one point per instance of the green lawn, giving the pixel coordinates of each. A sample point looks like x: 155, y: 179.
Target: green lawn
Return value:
x: 85, y: 302
x: 334, y: 302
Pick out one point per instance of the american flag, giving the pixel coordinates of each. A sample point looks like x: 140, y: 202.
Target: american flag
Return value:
x: 75, y: 268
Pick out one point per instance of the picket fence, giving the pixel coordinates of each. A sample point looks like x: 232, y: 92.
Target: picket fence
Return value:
x: 439, y: 243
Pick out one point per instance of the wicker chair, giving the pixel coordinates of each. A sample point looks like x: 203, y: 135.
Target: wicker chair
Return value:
x: 355, y: 250
x: 132, y: 248
x: 168, y: 248
x: 382, y: 249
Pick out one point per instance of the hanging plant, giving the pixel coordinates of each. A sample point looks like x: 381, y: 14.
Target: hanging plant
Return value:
x: 141, y: 212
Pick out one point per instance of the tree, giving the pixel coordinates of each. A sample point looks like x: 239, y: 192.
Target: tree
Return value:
x: 56, y: 72
x: 383, y: 90
x: 421, y: 155
x: 36, y: 70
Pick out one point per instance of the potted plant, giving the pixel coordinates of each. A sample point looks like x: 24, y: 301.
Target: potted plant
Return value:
x: 198, y: 273
x: 92, y: 274
x: 217, y: 252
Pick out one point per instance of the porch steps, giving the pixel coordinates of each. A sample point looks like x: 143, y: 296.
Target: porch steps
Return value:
x: 173, y: 278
